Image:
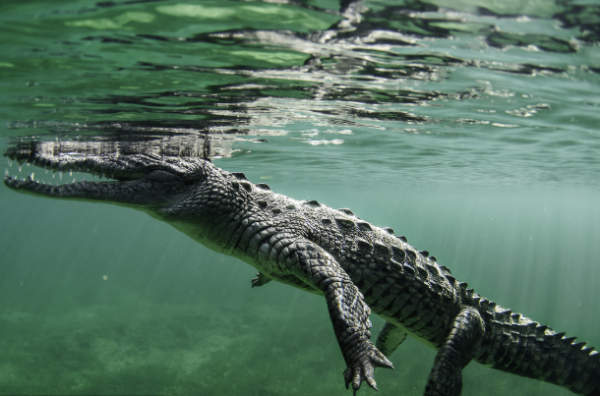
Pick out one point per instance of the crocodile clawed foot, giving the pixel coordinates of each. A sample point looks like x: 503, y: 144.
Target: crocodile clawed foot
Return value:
x: 260, y: 280
x: 363, y: 369
x: 255, y: 282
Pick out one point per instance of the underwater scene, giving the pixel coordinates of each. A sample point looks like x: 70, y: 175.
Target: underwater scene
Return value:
x: 471, y: 127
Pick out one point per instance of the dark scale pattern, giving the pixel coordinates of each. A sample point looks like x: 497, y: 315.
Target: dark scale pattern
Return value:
x: 355, y: 265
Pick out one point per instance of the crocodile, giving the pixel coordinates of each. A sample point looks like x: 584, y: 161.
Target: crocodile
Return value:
x: 358, y: 267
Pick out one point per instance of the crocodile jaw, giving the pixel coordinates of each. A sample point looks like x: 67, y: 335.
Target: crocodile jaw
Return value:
x: 110, y: 191
x: 138, y: 180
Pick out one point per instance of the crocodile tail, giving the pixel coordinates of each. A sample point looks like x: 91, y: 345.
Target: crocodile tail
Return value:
x: 576, y: 367
x: 521, y: 346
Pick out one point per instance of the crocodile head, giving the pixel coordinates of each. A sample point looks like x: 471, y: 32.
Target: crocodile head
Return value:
x: 147, y: 182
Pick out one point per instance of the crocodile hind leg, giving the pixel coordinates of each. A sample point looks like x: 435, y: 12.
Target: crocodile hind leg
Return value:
x: 461, y: 345
x: 348, y: 312
x: 390, y: 337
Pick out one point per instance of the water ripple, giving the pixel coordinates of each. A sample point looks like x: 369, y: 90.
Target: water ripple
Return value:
x: 489, y: 87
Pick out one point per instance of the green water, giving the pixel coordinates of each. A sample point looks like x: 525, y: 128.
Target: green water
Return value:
x: 471, y: 127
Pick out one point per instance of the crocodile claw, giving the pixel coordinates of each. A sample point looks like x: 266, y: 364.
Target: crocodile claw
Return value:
x: 260, y: 280
x: 364, y: 368
x: 255, y: 282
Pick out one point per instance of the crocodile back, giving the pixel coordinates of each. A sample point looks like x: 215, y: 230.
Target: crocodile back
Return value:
x: 405, y: 286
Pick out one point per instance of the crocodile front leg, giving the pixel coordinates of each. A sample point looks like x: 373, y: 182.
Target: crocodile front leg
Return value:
x: 347, y: 309
x: 260, y: 280
x: 461, y: 345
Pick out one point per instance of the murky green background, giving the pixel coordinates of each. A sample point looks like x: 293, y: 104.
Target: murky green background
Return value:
x: 471, y: 127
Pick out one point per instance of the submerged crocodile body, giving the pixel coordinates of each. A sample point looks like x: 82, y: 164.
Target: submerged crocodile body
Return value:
x: 355, y: 265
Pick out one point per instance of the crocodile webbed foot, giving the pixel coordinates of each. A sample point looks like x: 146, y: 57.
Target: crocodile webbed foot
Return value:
x: 260, y: 280
x: 363, y: 366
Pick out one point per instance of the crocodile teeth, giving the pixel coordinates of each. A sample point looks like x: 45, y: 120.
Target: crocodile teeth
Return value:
x: 5, y: 172
x: 32, y: 176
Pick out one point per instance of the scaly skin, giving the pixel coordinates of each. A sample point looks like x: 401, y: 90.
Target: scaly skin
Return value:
x: 355, y: 265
